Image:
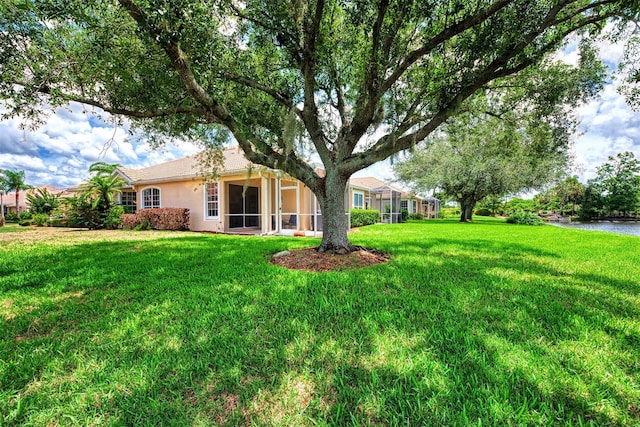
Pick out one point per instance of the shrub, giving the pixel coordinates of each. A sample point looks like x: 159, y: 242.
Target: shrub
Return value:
x: 41, y: 219
x: 129, y: 221
x: 25, y: 222
x: 25, y: 215
x: 58, y: 222
x: 144, y: 225
x: 11, y: 217
x: 525, y: 218
x: 404, y: 215
x: 450, y: 211
x: 483, y: 212
x: 113, y: 218
x: 416, y: 215
x: 176, y: 219
x: 362, y: 217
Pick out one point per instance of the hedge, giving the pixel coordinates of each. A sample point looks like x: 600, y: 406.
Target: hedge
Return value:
x: 525, y: 218
x: 158, y: 218
x: 361, y: 217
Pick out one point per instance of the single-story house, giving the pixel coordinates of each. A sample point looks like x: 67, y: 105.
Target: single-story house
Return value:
x: 9, y: 199
x: 245, y: 198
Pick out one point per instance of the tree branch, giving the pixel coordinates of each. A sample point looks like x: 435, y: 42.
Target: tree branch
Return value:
x: 280, y: 97
x: 310, y: 111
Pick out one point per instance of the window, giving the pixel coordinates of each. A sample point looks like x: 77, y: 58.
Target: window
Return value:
x: 150, y: 198
x: 415, y: 206
x: 211, y: 197
x: 358, y: 200
x: 128, y: 201
x: 404, y: 204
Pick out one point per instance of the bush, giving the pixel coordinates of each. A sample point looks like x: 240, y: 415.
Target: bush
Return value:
x: 129, y: 221
x: 449, y: 212
x: 525, y: 218
x: 25, y: 215
x: 41, y: 219
x: 11, y: 217
x: 404, y: 215
x: 58, y: 222
x: 483, y: 212
x: 416, y: 215
x: 362, y: 217
x: 25, y: 222
x: 176, y: 219
x: 144, y: 225
x: 114, y: 217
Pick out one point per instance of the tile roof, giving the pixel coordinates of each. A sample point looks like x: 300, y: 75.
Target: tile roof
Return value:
x: 185, y: 168
x: 234, y: 161
x: 372, y: 183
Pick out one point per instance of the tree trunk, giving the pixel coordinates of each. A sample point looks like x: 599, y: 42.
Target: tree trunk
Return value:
x: 335, y: 223
x: 466, y: 210
x: 17, y: 199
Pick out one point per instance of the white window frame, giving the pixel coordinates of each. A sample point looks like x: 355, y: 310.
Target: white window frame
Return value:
x: 405, y: 203
x: 134, y: 206
x: 143, y: 200
x: 414, y: 206
x: 361, y: 194
x: 207, y: 201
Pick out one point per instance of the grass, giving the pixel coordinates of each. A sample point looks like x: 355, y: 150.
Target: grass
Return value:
x: 469, y: 324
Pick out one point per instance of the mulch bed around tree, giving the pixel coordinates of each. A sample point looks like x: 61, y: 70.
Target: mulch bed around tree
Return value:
x: 309, y: 259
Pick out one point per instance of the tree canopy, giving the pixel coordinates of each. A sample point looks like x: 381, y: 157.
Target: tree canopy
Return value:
x: 363, y: 80
x: 480, y: 155
x: 615, y: 189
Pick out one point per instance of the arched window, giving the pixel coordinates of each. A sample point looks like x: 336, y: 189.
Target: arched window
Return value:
x: 150, y: 198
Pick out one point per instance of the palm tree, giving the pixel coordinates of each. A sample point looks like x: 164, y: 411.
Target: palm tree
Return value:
x: 3, y: 190
x: 98, y: 195
x: 101, y: 191
x: 15, y: 181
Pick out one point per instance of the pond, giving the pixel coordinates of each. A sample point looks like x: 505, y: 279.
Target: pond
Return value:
x: 622, y: 227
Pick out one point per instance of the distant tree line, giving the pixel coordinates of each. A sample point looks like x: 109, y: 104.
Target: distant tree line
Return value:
x: 613, y: 193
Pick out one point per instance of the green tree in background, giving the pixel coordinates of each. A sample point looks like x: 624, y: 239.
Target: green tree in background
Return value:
x: 15, y: 180
x: 42, y: 201
x: 616, y: 187
x: 350, y: 83
x: 496, y: 149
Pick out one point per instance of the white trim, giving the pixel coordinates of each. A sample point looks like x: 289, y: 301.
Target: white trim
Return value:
x: 205, y: 186
x: 353, y: 199
x: 142, y: 201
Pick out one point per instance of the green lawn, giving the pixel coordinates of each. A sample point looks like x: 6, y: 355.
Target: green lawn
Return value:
x: 468, y: 324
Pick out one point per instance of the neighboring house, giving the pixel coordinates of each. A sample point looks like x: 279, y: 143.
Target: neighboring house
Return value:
x: 9, y: 199
x: 430, y: 207
x: 246, y: 198
x: 372, y: 193
x: 390, y: 200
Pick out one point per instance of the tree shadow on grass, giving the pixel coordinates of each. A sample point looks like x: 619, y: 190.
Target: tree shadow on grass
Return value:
x: 205, y: 330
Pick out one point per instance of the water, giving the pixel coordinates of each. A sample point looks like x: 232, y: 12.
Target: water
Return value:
x: 621, y: 227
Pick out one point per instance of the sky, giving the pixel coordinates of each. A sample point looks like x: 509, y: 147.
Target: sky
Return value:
x: 59, y: 152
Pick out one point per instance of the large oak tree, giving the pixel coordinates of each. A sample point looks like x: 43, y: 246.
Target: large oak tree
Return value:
x: 365, y: 79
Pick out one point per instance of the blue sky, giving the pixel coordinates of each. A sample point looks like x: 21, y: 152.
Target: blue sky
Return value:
x: 60, y: 152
